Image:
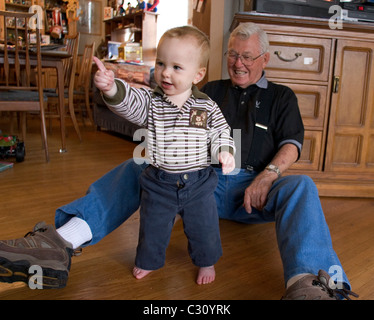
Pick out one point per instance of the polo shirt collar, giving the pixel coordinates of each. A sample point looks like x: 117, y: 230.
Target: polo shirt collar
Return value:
x: 262, y: 83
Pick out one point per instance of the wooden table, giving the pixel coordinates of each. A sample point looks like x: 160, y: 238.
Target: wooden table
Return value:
x: 52, y: 59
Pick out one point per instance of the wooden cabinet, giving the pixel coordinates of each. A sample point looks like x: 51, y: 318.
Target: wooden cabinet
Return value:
x: 332, y: 74
x: 143, y: 26
x: 351, y: 133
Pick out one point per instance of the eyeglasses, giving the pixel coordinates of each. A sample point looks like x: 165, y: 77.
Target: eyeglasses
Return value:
x: 248, y: 61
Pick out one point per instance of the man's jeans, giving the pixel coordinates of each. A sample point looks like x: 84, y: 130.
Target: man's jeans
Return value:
x: 302, y: 233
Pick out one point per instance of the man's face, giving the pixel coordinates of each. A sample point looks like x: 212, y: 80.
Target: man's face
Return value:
x: 245, y: 75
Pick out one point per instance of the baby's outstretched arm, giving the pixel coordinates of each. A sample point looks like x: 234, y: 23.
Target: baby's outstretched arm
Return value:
x: 104, y: 79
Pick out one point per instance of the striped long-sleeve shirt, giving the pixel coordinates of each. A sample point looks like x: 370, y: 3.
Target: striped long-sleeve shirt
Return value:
x: 179, y: 140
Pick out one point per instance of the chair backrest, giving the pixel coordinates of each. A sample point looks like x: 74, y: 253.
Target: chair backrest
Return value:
x: 19, y: 56
x: 72, y: 44
x: 16, y: 59
x: 86, y: 66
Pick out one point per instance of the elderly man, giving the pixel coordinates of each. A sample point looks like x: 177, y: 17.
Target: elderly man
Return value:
x: 271, y: 131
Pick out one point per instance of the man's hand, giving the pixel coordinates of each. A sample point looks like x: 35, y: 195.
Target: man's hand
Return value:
x: 104, y: 79
x: 256, y: 194
x: 227, y: 160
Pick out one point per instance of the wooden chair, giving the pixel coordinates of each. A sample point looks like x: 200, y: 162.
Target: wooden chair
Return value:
x: 17, y: 59
x: 70, y: 65
x: 83, y: 85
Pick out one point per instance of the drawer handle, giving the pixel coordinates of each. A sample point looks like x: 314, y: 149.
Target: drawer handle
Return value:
x: 278, y: 54
x: 335, y: 86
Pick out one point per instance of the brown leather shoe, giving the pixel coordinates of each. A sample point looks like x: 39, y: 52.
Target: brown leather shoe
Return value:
x: 42, y: 248
x: 311, y: 287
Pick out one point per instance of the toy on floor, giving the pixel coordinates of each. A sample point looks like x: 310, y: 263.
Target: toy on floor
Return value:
x: 10, y: 146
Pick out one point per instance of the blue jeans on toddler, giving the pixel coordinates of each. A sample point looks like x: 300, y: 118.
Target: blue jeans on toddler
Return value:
x: 190, y: 194
x: 302, y: 233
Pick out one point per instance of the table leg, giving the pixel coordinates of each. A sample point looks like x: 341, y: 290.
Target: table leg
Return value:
x: 60, y: 86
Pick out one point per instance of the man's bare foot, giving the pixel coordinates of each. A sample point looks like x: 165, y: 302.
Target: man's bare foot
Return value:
x: 140, y: 273
x: 206, y: 275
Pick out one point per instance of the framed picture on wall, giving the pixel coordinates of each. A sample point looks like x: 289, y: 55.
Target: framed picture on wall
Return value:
x: 108, y: 13
x: 90, y: 18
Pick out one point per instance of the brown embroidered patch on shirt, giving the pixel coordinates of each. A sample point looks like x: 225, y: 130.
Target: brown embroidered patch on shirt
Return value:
x: 198, y: 118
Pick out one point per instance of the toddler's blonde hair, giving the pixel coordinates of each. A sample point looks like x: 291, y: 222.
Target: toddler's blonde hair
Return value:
x: 191, y: 31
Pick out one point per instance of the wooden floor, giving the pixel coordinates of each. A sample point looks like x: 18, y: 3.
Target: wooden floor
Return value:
x: 249, y: 269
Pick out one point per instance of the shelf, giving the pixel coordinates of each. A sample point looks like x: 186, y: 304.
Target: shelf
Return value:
x: 142, y: 25
x: 25, y: 7
x: 131, y: 16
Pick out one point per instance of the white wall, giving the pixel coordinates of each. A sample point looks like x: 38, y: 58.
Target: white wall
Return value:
x: 231, y: 7
x: 222, y: 14
x: 172, y: 13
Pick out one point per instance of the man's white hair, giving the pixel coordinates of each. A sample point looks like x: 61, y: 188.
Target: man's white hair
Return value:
x: 246, y: 30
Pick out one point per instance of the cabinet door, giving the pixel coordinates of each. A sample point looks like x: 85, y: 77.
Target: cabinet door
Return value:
x: 350, y: 141
x: 311, y: 152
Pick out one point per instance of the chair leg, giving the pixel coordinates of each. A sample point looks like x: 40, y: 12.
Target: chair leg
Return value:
x: 43, y: 130
x: 23, y: 124
x: 81, y: 112
x: 49, y: 107
x: 73, y: 118
x: 11, y: 122
x: 88, y: 106
x: 14, y: 116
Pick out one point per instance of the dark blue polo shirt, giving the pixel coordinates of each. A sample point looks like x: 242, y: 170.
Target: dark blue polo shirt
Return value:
x: 267, y: 114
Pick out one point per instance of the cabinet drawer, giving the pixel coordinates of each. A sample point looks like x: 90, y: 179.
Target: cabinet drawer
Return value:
x: 312, y: 104
x: 311, y: 152
x: 293, y: 57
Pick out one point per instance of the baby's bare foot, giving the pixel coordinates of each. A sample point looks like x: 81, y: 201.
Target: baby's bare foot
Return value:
x: 140, y: 273
x: 206, y: 275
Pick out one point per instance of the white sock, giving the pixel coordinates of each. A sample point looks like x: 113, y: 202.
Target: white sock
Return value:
x: 291, y: 281
x: 76, y: 231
